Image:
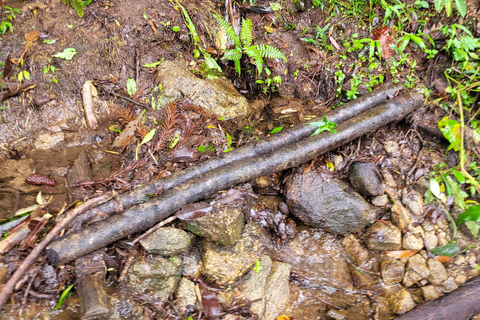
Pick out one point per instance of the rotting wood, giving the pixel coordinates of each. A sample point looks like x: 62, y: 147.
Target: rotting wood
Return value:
x: 145, y: 215
x: 87, y: 95
x: 249, y: 151
x: 460, y: 304
x: 7, y: 289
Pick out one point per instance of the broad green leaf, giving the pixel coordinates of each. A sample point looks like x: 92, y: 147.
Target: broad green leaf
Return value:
x: 435, y: 189
x: 276, y: 130
x: 451, y: 131
x: 473, y: 226
x: 460, y: 177
x: 461, y: 7
x: 201, y: 148
x: 458, y: 194
x: 67, y: 54
x: 449, y: 7
x: 63, y: 297
x: 471, y: 214
x: 153, y: 64
x: 323, y: 126
x: 439, y: 4
x: 131, y: 87
x: 174, y: 140
x: 149, y: 136
x: 448, y: 250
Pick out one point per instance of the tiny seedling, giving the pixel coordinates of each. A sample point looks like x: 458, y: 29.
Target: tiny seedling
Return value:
x: 65, y: 294
x: 67, y: 54
x: 323, y: 125
x: 257, y: 267
x: 131, y: 86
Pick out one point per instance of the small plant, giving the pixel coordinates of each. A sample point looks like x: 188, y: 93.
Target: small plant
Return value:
x: 448, y: 5
x: 462, y: 47
x: 7, y: 23
x: 78, y: 5
x: 244, y: 44
x: 323, y: 125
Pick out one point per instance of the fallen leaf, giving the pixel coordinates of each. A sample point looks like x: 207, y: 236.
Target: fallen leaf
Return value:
x: 32, y: 36
x: 14, y: 91
x: 444, y: 259
x: 124, y: 138
x: 7, y: 68
x: 210, y: 304
x: 386, y: 39
x: 399, y: 254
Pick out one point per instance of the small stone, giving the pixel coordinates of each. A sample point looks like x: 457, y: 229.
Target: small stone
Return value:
x: 400, y: 216
x: 186, y: 297
x: 277, y: 290
x: 392, y: 271
x: 414, y: 201
x: 337, y: 314
x: 401, y: 301
x: 431, y: 292
x: 438, y: 274
x: 413, y: 242
x: 192, y: 265
x: 459, y: 260
x: 166, y: 242
x: 431, y: 240
x: 366, y: 179
x: 416, y: 270
x: 383, y: 236
x: 355, y: 252
x: 225, y: 265
x: 428, y: 226
x: 380, y: 201
x: 461, y: 279
x: 389, y: 180
x: 472, y: 273
x: 449, y: 285
x: 472, y: 260
x: 391, y: 147
x: 48, y: 140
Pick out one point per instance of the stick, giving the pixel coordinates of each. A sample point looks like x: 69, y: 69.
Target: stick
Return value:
x: 249, y: 151
x: 460, y: 304
x: 7, y: 289
x: 145, y: 215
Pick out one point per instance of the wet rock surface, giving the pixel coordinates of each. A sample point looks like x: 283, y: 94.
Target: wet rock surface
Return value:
x: 224, y: 265
x: 392, y: 272
x: 166, y: 242
x: 416, y: 270
x: 366, y: 179
x: 383, y: 236
x: 217, y: 96
x: 327, y: 203
x: 401, y: 301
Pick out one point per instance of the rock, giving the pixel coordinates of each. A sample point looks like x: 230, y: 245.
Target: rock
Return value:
x: 414, y: 201
x: 461, y: 279
x: 449, y: 285
x: 383, y: 236
x: 401, y: 301
x: 327, y: 203
x: 186, y: 298
x: 166, y: 242
x: 414, y: 239
x: 124, y: 307
x: 438, y: 274
x: 392, y: 271
x: 391, y: 147
x: 431, y: 292
x: 400, y: 216
x: 3, y: 273
x: 366, y: 179
x: 277, y: 290
x: 48, y: 140
x: 270, y: 185
x: 416, y: 270
x: 13, y: 175
x: 431, y: 240
x: 156, y: 277
x: 225, y: 265
x: 192, y: 265
x: 389, y: 180
x: 222, y: 225
x: 217, y: 96
x: 381, y: 201
x: 355, y: 252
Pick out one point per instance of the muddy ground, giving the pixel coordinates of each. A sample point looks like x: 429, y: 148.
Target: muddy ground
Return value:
x: 43, y: 130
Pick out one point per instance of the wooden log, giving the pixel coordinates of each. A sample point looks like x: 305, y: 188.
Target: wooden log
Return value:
x: 460, y: 304
x: 145, y: 215
x: 248, y: 151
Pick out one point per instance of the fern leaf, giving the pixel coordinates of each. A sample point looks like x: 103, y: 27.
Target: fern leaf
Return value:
x: 234, y: 54
x: 270, y: 52
x: 229, y: 31
x: 246, y: 34
x: 78, y: 6
x: 254, y: 53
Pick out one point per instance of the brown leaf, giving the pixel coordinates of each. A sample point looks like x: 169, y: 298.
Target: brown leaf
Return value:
x: 444, y: 259
x: 399, y: 254
x: 32, y: 36
x: 14, y: 91
x: 193, y: 211
x: 124, y: 138
x: 386, y: 39
x: 7, y: 68
x: 210, y: 304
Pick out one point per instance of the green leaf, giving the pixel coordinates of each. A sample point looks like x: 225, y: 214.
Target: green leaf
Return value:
x: 201, y: 148
x: 461, y: 7
x: 435, y: 189
x: 473, y: 226
x: 131, y: 87
x: 246, y: 32
x: 323, y: 126
x: 471, y: 214
x: 460, y: 177
x: 449, y: 7
x: 451, y: 131
x: 63, y: 297
x: 153, y: 64
x: 176, y: 28
x: 448, y: 250
x: 439, y: 4
x: 49, y: 41
x: 67, y: 54
x: 148, y: 137
x: 276, y: 130
x: 174, y: 140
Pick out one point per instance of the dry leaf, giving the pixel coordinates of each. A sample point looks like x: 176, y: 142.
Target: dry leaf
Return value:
x: 385, y: 39
x: 399, y: 254
x: 32, y: 36
x: 444, y: 259
x: 124, y: 138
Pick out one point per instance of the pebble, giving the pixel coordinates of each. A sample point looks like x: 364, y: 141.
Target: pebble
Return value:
x: 431, y: 292
x: 391, y: 147
x: 380, y: 201
x: 383, y: 236
x: 401, y: 217
x: 438, y: 274
x: 401, y: 301
x: 392, y: 271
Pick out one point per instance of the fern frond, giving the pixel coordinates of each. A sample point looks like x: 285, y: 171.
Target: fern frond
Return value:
x: 78, y: 6
x: 234, y: 54
x: 246, y: 33
x: 229, y: 31
x: 270, y: 52
x: 254, y: 53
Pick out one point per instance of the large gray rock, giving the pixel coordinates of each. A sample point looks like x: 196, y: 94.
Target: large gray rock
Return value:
x: 222, y: 225
x: 217, y: 96
x: 225, y: 265
x: 366, y: 179
x: 166, y: 242
x: 327, y: 203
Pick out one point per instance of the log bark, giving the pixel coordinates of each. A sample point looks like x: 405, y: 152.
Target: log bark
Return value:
x: 145, y: 215
x: 249, y: 151
x: 460, y: 304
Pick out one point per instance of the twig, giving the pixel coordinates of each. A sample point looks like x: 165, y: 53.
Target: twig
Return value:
x: 33, y: 255
x: 130, y: 100
x: 153, y: 229
x: 127, y: 265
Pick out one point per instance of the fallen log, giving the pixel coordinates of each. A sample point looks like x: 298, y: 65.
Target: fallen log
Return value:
x: 248, y: 151
x: 145, y: 215
x: 460, y: 304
